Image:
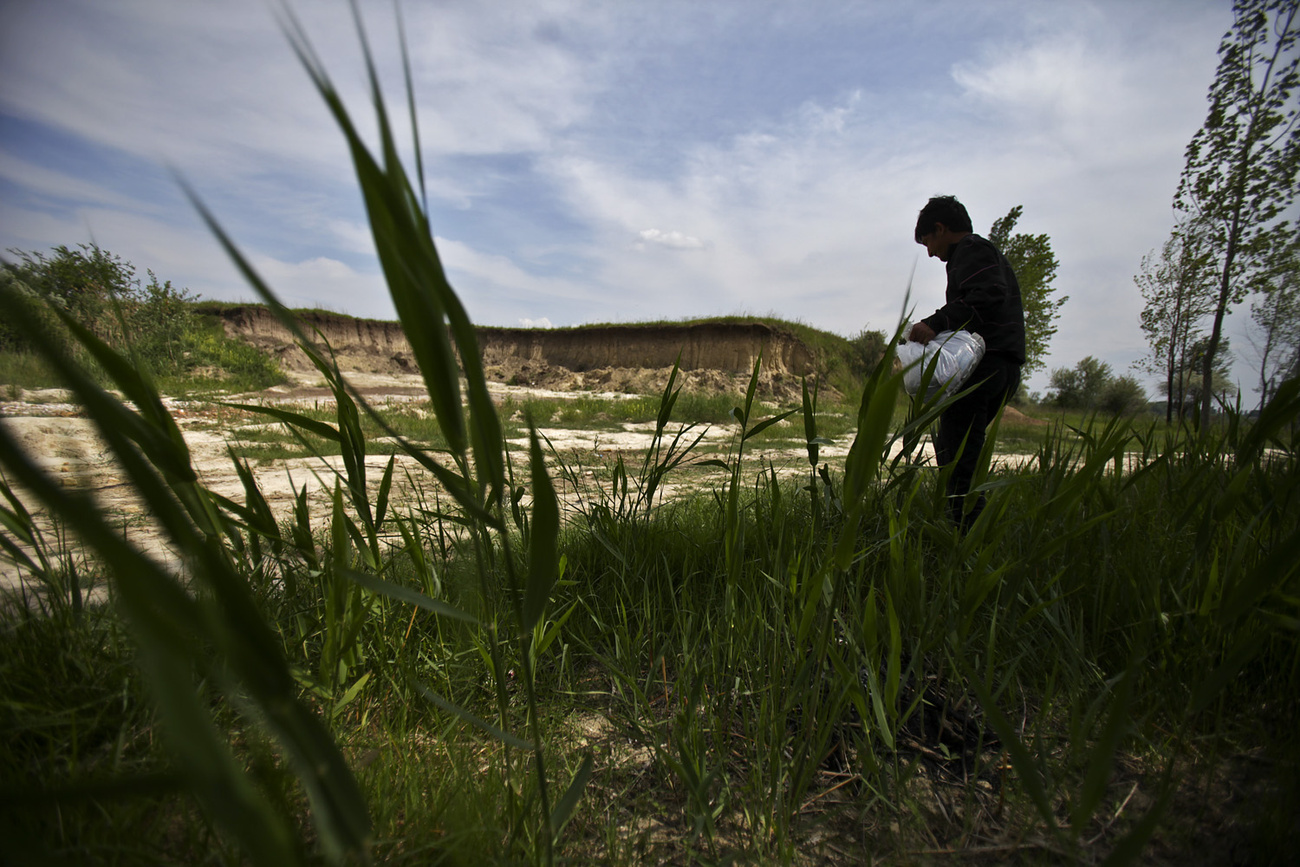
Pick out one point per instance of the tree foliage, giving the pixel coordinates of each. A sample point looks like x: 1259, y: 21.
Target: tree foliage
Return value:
x: 1178, y: 289
x: 1240, y: 172
x: 1079, y: 387
x: 1035, y: 264
x: 1186, y: 391
x: 155, y: 322
x: 1275, y: 314
x: 1092, y: 385
x: 84, y: 283
x: 866, y: 349
x: 1123, y: 395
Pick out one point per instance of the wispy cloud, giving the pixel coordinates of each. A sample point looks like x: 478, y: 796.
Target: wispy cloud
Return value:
x: 673, y: 240
x: 594, y: 161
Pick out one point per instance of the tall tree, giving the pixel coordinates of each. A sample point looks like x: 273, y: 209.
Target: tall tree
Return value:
x: 1276, y: 317
x: 1035, y: 264
x: 1240, y: 170
x: 1178, y: 289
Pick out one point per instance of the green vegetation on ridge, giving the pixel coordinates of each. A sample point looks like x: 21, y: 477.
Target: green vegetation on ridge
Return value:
x: 162, y: 329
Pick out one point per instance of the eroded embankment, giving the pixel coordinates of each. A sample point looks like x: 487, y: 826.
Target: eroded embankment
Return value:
x: 610, y: 358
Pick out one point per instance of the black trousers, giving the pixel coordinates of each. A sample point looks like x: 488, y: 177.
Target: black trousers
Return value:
x: 962, y: 429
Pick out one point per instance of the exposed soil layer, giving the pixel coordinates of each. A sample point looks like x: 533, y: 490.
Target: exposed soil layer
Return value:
x: 633, y: 359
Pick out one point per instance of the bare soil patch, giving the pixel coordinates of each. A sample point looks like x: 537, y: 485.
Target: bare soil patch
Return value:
x: 65, y: 444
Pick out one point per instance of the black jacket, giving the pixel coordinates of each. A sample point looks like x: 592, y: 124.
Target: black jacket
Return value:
x: 983, y: 296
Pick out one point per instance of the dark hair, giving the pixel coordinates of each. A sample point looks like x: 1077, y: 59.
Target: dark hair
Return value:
x: 942, y: 209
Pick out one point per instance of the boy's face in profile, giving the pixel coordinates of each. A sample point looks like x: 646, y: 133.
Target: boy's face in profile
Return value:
x: 938, y: 242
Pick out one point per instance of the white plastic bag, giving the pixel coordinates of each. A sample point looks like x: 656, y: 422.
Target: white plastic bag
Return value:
x: 959, y: 353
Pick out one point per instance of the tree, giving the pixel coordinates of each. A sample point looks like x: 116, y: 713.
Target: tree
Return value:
x: 1091, y: 384
x: 1035, y: 265
x: 83, y: 283
x: 1276, y: 317
x: 1241, y: 165
x: 1188, y: 383
x: 1080, y: 387
x: 1179, y: 294
x: 1123, y: 395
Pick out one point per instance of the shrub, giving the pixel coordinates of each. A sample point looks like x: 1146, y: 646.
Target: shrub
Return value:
x: 157, y: 324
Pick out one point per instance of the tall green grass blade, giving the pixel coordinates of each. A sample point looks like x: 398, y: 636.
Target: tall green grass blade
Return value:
x: 544, y: 530
x: 167, y: 622
x: 406, y: 254
x: 408, y: 595
x: 572, y: 795
x: 767, y: 423
x: 173, y: 627
x: 481, y: 724
x: 385, y: 490
x: 1101, y: 759
x: 1244, y: 649
x: 1274, y: 571
x: 324, y: 430
x: 1279, y: 414
x: 1027, y: 770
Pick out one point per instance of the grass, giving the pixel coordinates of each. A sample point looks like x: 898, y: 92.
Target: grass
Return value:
x: 771, y: 671
x: 213, y: 363
x: 25, y: 370
x: 713, y: 725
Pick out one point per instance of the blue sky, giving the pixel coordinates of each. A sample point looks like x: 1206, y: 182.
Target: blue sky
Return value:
x: 616, y: 161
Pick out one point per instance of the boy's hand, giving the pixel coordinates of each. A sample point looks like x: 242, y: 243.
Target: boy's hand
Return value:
x: 921, y: 333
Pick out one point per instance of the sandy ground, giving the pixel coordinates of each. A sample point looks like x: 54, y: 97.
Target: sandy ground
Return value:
x: 67, y: 446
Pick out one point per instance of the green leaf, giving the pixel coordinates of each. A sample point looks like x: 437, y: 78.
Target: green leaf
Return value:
x: 350, y: 695
x: 409, y: 595
x: 767, y: 423
x: 543, y: 536
x: 564, y: 809
x: 293, y: 419
x: 504, y: 737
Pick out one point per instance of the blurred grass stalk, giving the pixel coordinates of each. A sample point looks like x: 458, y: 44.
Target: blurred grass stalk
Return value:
x: 206, y: 621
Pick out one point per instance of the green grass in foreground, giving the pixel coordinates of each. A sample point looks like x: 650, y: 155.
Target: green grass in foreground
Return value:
x: 733, y: 702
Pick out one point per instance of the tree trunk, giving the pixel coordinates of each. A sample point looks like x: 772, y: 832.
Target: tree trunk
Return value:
x: 1225, y: 282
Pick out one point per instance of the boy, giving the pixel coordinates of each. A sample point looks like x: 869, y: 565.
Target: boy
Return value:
x: 983, y: 297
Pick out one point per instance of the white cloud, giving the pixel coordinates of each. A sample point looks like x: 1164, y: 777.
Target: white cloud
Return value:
x: 53, y: 184
x: 353, y: 236
x: 535, y: 323
x: 673, y: 240
x: 495, y: 289
x: 327, y: 284
x: 802, y: 193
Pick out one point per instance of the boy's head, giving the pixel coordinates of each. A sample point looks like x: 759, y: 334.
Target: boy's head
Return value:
x: 942, y: 209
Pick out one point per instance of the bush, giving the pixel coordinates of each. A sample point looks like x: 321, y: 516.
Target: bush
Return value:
x: 867, y: 348
x: 1123, y: 395
x: 157, y: 324
x: 210, y: 354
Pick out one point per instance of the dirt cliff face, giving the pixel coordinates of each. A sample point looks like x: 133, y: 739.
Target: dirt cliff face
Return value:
x: 730, y: 348
x: 364, y: 345
x: 614, y: 358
